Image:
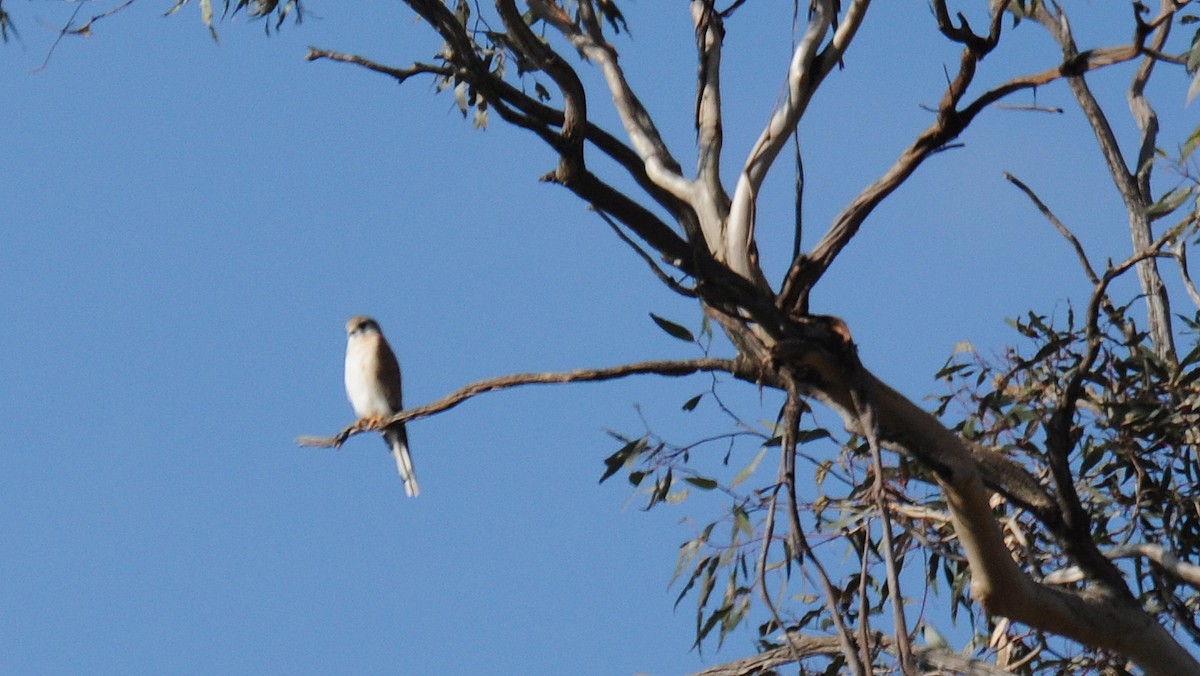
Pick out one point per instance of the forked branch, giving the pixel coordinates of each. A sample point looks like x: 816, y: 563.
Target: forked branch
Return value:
x: 953, y: 117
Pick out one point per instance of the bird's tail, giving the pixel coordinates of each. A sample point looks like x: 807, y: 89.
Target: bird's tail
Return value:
x: 397, y: 439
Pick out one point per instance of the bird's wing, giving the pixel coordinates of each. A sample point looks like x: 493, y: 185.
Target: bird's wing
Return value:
x: 389, y: 375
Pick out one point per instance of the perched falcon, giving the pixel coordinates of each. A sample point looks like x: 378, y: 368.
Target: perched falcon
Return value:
x: 373, y: 386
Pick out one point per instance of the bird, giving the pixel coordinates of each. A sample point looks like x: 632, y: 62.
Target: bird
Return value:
x: 373, y: 387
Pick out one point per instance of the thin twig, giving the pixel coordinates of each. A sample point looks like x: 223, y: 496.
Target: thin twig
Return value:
x: 764, y: 553
x: 800, y: 547
x: 866, y: 420
x: 85, y: 30
x: 400, y: 74
x: 654, y: 267
x: 1058, y: 225
x: 864, y: 626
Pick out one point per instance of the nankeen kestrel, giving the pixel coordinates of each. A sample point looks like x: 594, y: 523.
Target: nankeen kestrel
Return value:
x: 373, y: 386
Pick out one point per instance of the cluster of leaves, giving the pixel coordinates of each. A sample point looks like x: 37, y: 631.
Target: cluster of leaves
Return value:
x: 1136, y: 457
x: 258, y: 9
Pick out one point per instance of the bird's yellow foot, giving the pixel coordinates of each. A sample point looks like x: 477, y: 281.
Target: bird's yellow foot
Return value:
x: 369, y: 423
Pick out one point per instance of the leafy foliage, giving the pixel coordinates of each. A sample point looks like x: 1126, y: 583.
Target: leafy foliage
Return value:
x: 255, y: 8
x: 1137, y: 461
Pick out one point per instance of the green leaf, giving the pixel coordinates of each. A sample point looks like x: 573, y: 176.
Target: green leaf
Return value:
x: 950, y: 369
x: 703, y: 483
x: 1172, y: 200
x: 746, y: 471
x: 1189, y: 146
x: 805, y: 436
x: 1191, y: 358
x: 675, y: 330
x: 623, y: 455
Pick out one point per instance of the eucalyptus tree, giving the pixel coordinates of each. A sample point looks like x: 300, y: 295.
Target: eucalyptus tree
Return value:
x: 1063, y: 509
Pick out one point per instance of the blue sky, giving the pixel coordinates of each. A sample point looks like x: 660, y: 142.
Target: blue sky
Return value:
x: 187, y: 226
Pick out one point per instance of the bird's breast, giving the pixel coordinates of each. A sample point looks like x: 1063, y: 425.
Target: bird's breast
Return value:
x: 363, y: 386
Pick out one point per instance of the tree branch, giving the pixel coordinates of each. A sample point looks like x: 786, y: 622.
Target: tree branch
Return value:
x: 400, y: 74
x: 766, y: 662
x: 800, y: 547
x: 951, y: 121
x: 1104, y: 620
x: 1133, y: 185
x: 672, y: 368
x: 1180, y: 255
x: 1159, y: 555
x: 710, y: 31
x: 574, y: 96
x: 739, y: 242
x: 660, y: 166
x: 1059, y: 226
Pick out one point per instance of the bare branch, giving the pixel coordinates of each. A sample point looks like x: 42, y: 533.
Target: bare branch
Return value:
x: 573, y: 93
x: 84, y: 30
x: 672, y: 368
x: 1058, y: 225
x: 801, y: 549
x: 663, y: 277
x: 710, y: 31
x: 400, y: 74
x: 660, y: 166
x: 739, y: 243
x: 951, y: 121
x: 765, y: 662
x: 944, y: 661
x: 1181, y: 570
x: 903, y: 646
x: 844, y: 34
x: 764, y: 551
x: 1133, y: 185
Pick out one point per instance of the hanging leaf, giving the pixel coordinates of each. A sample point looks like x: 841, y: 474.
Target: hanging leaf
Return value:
x: 673, y: 329
x: 206, y: 15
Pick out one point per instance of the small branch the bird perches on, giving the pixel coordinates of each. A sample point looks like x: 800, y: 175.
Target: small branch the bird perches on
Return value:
x: 674, y: 368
